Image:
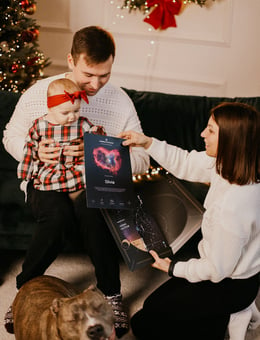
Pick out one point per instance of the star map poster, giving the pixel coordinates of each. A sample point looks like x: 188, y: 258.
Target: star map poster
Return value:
x: 108, y: 173
x: 165, y: 217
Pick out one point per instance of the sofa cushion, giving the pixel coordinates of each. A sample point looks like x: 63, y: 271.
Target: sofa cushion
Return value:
x: 178, y: 119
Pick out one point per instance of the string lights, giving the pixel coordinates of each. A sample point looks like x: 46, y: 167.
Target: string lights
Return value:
x: 149, y: 175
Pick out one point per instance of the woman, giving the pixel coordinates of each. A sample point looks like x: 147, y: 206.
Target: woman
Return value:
x: 197, y: 301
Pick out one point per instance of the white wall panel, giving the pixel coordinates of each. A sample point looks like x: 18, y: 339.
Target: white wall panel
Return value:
x: 55, y: 32
x: 172, y: 59
x: 169, y: 84
x: 86, y: 13
x: 213, y: 51
x: 53, y: 13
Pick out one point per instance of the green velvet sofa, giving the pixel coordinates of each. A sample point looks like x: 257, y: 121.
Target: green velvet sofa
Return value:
x: 178, y: 119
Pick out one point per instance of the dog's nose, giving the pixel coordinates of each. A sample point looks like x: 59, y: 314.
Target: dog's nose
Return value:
x: 95, y: 332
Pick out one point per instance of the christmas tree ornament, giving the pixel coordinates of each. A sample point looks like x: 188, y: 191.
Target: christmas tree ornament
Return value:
x: 14, y: 68
x: 30, y: 35
x: 30, y: 9
x: 27, y: 36
x: 35, y: 33
x: 24, y: 4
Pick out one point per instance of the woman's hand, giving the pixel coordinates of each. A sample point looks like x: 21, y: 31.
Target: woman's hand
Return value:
x: 133, y: 138
x: 161, y: 264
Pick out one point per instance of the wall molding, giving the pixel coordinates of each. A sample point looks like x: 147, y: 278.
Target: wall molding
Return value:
x: 53, y: 27
x: 151, y: 82
x: 161, y: 38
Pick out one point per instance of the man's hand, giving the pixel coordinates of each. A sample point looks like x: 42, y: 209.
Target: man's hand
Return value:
x: 161, y: 264
x: 48, y: 154
x: 51, y: 154
x: 76, y: 149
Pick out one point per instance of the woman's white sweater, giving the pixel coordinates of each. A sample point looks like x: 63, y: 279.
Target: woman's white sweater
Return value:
x: 230, y: 245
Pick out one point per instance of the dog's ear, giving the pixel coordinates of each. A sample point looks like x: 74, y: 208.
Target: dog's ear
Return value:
x: 56, y: 303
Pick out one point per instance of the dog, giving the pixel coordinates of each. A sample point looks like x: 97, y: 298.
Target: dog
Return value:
x: 48, y: 308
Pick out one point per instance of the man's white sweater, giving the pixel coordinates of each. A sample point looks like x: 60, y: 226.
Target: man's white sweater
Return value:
x: 110, y: 107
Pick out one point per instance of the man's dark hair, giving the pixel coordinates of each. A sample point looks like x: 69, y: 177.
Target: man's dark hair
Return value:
x: 95, y: 43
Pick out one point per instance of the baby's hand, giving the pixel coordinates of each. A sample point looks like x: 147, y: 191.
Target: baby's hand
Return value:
x: 98, y: 130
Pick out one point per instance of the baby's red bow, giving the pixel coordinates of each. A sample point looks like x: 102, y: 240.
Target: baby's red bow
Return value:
x: 62, y: 98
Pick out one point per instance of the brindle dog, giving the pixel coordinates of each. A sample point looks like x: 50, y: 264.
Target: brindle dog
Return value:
x: 47, y: 308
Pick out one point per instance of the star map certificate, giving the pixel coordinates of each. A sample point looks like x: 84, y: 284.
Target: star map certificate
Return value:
x: 108, y: 173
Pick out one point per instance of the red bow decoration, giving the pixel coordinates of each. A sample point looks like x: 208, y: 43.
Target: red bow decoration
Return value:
x: 163, y: 13
x: 62, y: 98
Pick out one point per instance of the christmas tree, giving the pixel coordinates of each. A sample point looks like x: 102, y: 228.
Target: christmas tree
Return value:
x: 21, y: 62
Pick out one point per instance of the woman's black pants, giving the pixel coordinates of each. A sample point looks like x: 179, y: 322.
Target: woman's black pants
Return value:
x: 181, y: 310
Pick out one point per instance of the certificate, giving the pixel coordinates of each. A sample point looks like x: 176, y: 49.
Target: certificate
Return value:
x: 108, y: 172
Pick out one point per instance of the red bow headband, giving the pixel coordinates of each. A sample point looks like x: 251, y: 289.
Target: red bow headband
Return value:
x: 62, y: 98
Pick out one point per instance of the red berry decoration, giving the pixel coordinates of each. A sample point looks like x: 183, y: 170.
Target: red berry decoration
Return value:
x: 14, y: 68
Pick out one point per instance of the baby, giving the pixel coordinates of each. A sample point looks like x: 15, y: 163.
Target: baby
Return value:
x: 63, y: 124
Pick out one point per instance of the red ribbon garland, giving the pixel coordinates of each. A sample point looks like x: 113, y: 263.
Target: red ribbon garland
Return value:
x: 62, y: 98
x: 163, y: 13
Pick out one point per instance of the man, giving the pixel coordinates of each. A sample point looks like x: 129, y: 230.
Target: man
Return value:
x: 90, y: 61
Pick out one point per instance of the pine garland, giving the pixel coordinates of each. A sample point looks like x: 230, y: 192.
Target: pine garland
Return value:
x: 133, y: 5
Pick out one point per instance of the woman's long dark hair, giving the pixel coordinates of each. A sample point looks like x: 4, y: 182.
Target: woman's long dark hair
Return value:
x: 239, y: 142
